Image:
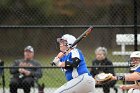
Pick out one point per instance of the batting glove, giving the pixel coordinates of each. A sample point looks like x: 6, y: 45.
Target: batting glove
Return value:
x: 56, y: 61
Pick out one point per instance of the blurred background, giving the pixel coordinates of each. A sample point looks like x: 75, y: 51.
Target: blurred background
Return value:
x: 40, y: 22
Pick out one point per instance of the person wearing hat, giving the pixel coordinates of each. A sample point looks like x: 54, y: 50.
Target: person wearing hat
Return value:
x: 24, y: 77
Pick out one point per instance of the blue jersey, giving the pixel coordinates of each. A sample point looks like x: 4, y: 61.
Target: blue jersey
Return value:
x: 81, y: 68
x: 138, y: 70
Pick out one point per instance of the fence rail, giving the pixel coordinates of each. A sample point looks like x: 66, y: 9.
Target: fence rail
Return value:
x: 68, y: 26
x: 54, y: 67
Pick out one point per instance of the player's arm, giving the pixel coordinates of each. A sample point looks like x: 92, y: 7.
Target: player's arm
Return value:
x: 126, y: 87
x: 130, y: 77
x: 75, y: 62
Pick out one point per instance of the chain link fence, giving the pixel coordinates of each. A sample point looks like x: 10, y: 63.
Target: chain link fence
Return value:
x: 40, y: 22
x: 68, y: 12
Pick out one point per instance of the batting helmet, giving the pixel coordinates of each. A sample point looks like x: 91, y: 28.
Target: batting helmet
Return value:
x: 70, y: 39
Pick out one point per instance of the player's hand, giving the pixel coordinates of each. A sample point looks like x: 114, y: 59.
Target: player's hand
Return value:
x: 60, y: 55
x: 56, y: 60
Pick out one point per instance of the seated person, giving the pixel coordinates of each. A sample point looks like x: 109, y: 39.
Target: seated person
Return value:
x: 101, y: 59
x: 25, y: 77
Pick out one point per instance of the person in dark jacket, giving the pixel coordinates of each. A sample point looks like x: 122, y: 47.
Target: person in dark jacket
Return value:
x: 24, y: 77
x: 100, y: 60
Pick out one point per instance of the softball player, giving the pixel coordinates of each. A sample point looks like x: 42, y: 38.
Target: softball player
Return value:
x: 135, y: 76
x: 74, y: 66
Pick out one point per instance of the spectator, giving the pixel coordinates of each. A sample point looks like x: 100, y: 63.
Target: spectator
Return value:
x: 100, y: 60
x: 24, y: 77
